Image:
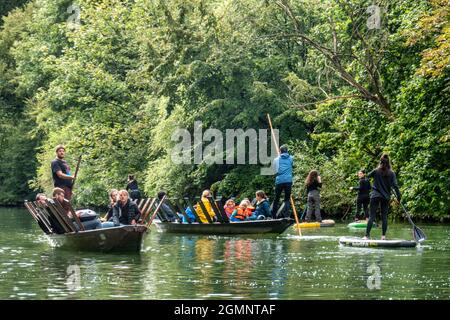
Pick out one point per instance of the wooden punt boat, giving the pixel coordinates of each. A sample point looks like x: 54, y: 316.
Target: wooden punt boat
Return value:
x: 64, y: 233
x: 117, y: 239
x: 274, y: 226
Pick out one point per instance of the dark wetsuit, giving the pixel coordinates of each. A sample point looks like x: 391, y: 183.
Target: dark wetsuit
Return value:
x: 380, y: 196
x: 363, y: 199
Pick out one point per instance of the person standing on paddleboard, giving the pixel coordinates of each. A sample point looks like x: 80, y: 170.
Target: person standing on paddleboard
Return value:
x: 363, y: 198
x: 384, y: 180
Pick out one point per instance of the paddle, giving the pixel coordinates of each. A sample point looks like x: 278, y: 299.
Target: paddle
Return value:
x: 278, y: 151
x: 304, y: 212
x: 419, y: 235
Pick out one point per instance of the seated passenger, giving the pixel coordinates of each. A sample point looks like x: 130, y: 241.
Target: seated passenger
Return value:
x: 125, y: 211
x: 208, y: 207
x: 229, y: 207
x: 166, y: 210
x: 242, y: 212
x: 190, y: 216
x: 91, y: 224
x: 250, y: 206
x: 58, y: 196
x: 113, y: 198
x: 40, y: 198
x: 262, y: 210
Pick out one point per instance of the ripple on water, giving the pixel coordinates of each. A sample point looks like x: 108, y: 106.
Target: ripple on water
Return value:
x: 307, y: 238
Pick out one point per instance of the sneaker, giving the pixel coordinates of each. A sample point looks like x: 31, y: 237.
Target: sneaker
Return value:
x: 365, y: 238
x: 383, y: 237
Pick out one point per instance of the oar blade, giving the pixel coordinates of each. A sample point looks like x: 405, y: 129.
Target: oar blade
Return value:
x: 419, y: 235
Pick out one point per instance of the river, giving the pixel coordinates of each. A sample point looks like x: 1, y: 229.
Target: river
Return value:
x: 225, y: 267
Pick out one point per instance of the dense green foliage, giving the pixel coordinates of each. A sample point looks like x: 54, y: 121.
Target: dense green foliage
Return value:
x: 115, y: 87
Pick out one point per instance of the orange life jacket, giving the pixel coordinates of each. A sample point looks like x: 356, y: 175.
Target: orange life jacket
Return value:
x: 228, y: 210
x: 242, y: 213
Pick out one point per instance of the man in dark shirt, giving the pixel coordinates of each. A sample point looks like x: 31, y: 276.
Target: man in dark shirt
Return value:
x: 125, y: 211
x: 61, y: 172
x: 363, y: 199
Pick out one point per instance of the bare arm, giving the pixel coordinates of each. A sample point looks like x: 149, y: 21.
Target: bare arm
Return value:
x: 63, y: 175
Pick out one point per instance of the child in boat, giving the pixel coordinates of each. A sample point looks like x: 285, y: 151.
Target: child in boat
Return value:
x: 229, y: 207
x: 242, y: 212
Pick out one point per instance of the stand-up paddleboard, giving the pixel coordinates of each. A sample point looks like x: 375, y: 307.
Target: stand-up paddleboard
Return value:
x: 362, y: 224
x: 358, y: 242
x: 307, y: 225
x: 324, y: 223
x: 327, y: 223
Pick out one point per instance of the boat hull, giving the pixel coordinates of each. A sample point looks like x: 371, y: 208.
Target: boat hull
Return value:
x: 275, y: 226
x: 117, y: 239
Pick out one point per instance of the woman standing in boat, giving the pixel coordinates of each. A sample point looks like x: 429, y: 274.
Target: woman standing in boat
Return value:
x: 384, y: 180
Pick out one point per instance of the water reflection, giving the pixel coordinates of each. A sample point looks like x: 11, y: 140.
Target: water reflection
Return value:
x: 215, y: 267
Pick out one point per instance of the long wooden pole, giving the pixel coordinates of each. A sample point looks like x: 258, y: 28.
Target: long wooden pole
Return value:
x: 156, y: 211
x: 292, y: 199
x: 76, y: 171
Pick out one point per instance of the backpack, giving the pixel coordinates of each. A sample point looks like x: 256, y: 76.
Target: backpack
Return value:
x: 87, y: 215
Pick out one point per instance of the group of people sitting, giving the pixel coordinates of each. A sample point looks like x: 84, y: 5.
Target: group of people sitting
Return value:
x: 124, y: 211
x: 121, y: 210
x: 259, y: 210
x: 246, y: 210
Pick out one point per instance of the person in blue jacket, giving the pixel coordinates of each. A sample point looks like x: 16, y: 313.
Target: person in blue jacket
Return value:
x: 282, y: 167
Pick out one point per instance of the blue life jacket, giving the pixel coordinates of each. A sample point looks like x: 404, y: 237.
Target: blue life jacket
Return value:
x: 190, y: 216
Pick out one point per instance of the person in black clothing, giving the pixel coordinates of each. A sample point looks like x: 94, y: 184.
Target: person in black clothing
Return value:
x: 312, y: 183
x: 133, y: 188
x: 166, y: 210
x: 125, y: 211
x: 61, y: 172
x: 363, y: 199
x: 384, y: 180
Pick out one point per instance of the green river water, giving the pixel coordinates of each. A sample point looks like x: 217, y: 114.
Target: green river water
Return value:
x: 225, y: 267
